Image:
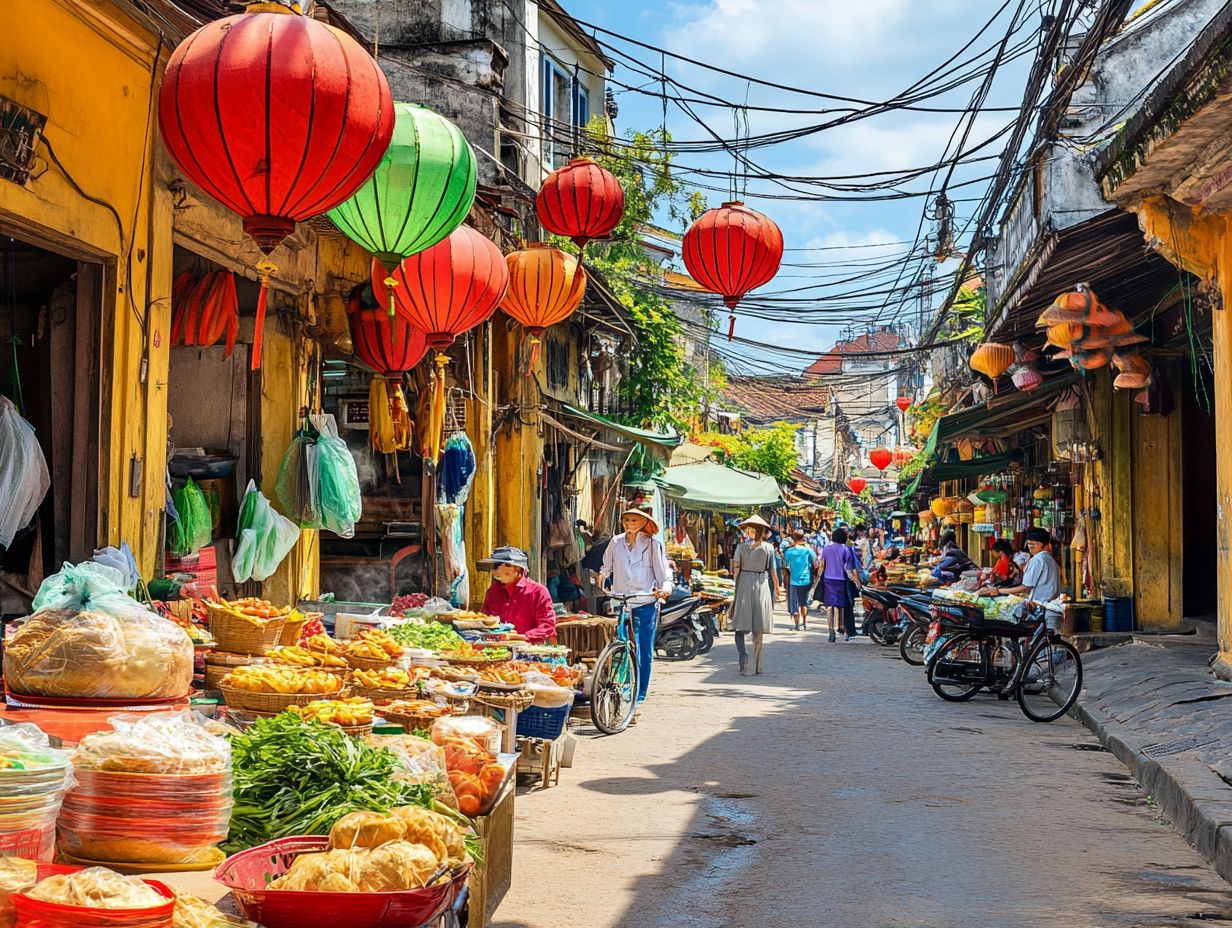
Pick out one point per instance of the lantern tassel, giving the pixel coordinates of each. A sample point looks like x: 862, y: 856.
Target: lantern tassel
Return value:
x: 391, y: 282
x: 731, y: 327
x: 437, y: 423
x: 265, y: 268
x: 535, y: 344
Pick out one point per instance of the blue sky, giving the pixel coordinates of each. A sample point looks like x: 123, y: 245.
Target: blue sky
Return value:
x: 867, y: 49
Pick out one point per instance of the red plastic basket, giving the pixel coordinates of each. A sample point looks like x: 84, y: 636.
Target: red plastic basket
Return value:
x: 248, y: 873
x: 34, y: 913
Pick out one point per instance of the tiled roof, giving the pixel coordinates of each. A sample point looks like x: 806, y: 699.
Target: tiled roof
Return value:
x: 832, y: 361
x: 771, y: 399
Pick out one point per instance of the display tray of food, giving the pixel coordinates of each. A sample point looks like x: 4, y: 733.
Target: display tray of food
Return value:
x: 353, y: 714
x: 246, y: 626
x: 426, y: 636
x: 271, y: 688
x: 468, y: 654
x: 414, y: 714
x: 387, y: 683
x: 497, y: 676
x: 373, y: 649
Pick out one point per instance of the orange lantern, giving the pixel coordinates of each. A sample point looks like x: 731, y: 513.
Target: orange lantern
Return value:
x: 545, y: 286
x: 902, y: 455
x: 992, y: 360
x: 880, y: 458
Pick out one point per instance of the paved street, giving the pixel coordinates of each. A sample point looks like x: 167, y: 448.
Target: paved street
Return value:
x: 837, y: 791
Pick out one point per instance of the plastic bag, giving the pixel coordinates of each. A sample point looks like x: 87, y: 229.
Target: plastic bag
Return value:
x: 88, y: 639
x: 33, y: 778
x: 115, y: 901
x: 294, y: 488
x: 164, y: 743
x: 24, y: 479
x: 194, y: 528
x: 336, y: 479
x: 420, y: 762
x: 121, y: 559
x: 482, y: 732
x: 264, y: 536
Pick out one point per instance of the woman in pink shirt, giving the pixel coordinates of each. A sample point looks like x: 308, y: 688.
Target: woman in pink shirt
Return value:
x: 517, y: 599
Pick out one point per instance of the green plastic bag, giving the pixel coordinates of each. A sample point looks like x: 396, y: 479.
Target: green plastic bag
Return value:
x: 335, y: 478
x: 194, y: 528
x: 295, y: 488
x: 264, y: 537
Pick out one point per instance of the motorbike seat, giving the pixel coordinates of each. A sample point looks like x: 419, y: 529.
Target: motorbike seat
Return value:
x: 1000, y: 628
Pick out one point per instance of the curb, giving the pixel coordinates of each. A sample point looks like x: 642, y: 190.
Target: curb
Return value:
x: 1196, y: 800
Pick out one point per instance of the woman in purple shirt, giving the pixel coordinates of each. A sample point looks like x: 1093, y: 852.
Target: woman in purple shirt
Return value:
x: 838, y: 565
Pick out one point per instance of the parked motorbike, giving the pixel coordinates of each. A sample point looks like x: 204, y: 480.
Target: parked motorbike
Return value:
x: 881, y: 621
x: 914, y: 611
x: 681, y: 632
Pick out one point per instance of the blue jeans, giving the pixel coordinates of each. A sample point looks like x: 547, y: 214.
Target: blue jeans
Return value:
x: 645, y: 619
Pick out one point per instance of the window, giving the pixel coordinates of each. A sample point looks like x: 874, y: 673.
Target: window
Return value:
x: 566, y: 107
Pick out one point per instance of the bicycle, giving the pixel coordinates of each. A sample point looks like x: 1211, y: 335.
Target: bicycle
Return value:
x: 1045, y: 682
x: 613, y: 693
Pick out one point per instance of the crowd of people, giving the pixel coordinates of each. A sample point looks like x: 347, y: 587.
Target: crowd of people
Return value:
x: 829, y: 566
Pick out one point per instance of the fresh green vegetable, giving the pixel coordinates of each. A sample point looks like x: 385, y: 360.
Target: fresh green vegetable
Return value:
x: 434, y: 636
x: 293, y: 777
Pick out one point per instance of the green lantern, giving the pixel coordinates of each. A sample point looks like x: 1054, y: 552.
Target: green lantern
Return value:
x: 420, y: 192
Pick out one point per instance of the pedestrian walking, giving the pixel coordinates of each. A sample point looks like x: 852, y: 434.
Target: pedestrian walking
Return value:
x: 838, y: 567
x: 636, y: 562
x: 757, y: 588
x: 800, y: 562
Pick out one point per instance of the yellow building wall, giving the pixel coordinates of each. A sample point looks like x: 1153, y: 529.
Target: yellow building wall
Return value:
x: 100, y: 132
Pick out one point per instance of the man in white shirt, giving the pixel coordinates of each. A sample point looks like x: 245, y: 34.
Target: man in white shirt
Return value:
x: 1041, y: 580
x: 636, y: 562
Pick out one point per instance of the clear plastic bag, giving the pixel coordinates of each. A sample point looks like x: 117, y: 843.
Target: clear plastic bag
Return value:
x: 195, y: 526
x: 336, y: 479
x: 482, y: 732
x: 295, y: 488
x: 265, y: 537
x: 24, y: 479
x: 33, y: 778
x: 88, y: 639
x: 420, y: 761
x: 115, y: 901
x: 164, y: 742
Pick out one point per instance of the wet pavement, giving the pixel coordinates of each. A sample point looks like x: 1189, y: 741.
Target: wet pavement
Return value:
x: 837, y: 791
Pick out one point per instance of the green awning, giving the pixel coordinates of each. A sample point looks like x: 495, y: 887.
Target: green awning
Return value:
x: 664, y: 440
x: 976, y: 467
x: 709, y: 485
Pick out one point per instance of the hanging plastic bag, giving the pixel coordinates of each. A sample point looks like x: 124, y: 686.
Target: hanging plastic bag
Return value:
x: 295, y: 488
x: 335, y: 478
x: 195, y: 526
x: 24, y: 479
x: 264, y: 537
x: 121, y: 559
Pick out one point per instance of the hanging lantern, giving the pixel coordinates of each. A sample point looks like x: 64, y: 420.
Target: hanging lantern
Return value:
x: 581, y: 200
x: 732, y: 250
x: 992, y: 360
x: 545, y: 286
x: 1027, y: 378
x: 276, y: 116
x: 903, y: 403
x: 420, y: 192
x: 857, y: 485
x: 444, y: 290
x: 388, y: 346
x: 880, y: 458
x: 447, y: 289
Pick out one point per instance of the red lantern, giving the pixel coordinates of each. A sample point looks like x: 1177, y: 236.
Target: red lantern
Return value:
x: 857, y: 485
x: 276, y: 116
x: 903, y: 403
x: 581, y: 200
x: 446, y: 289
x: 732, y: 250
x: 388, y: 345
x: 880, y: 458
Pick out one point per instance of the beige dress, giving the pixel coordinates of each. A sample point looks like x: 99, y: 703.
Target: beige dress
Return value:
x: 753, y: 606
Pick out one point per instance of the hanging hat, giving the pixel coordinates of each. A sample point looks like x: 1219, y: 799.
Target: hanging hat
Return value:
x: 756, y: 521
x: 651, y: 527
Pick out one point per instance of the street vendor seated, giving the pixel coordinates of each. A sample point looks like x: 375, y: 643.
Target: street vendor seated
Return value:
x: 954, y: 560
x: 517, y: 599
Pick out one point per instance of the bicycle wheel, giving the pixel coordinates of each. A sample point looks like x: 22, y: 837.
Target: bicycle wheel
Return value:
x: 911, y: 646
x: 956, y: 670
x: 613, y: 695
x: 1050, y: 681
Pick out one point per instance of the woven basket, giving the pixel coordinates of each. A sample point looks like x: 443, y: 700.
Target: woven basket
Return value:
x: 218, y: 665
x: 411, y: 721
x: 292, y: 628
x: 379, y: 694
x: 240, y: 636
x: 370, y: 663
x: 477, y: 661
x: 271, y: 702
x: 336, y: 671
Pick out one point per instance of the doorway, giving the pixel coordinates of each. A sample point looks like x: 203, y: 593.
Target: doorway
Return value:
x: 51, y: 332
x: 1200, y: 590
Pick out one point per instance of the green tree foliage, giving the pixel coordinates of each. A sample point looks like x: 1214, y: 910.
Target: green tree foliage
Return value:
x: 967, y: 316
x: 660, y: 387
x: 770, y: 450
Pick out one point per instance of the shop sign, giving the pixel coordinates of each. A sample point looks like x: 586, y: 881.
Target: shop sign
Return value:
x: 355, y: 414
x: 20, y: 128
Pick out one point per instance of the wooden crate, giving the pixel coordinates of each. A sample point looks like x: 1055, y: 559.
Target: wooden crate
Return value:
x: 586, y: 637
x: 491, y: 880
